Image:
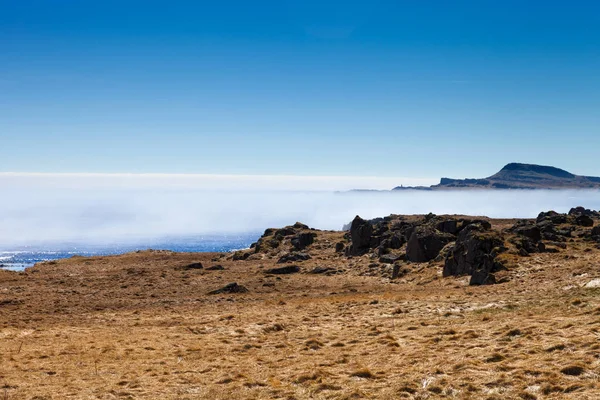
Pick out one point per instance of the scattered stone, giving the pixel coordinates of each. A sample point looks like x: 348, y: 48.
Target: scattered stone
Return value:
x: 573, y: 370
x: 339, y: 247
x: 391, y: 258
x: 196, y: 265
x: 593, y: 284
x: 290, y: 269
x: 215, y: 268
x: 293, y: 257
x: 240, y: 255
x: 323, y: 270
x: 230, y: 288
x: 398, y: 271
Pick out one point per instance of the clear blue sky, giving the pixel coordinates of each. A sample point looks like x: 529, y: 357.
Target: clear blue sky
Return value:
x: 385, y: 88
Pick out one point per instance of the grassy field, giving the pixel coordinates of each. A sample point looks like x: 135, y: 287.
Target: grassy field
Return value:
x: 142, y: 326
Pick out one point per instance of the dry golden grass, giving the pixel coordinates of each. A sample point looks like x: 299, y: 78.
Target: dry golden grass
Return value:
x: 139, y: 326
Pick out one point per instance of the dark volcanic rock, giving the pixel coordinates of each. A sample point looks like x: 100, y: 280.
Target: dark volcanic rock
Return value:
x: 302, y: 240
x: 230, y: 288
x: 390, y: 258
x: 448, y: 226
x: 301, y: 226
x: 527, y: 229
x: 396, y: 241
x: 578, y: 211
x: 552, y: 216
x: 475, y: 254
x: 584, y: 220
x: 215, y: 268
x: 361, y: 232
x: 323, y: 270
x: 339, y: 247
x: 273, y: 238
x: 240, y: 255
x: 293, y: 257
x: 426, y: 243
x: 290, y: 269
x: 197, y: 265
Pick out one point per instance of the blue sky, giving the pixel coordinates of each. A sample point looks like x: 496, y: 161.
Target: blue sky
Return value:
x: 367, y: 88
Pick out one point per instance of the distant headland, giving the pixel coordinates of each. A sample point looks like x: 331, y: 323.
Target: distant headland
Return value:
x: 518, y: 176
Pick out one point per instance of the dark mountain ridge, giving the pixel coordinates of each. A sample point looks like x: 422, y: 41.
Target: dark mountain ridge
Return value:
x: 520, y: 176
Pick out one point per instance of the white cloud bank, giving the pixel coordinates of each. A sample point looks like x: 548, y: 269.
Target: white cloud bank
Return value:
x: 40, y: 208
x: 205, y: 181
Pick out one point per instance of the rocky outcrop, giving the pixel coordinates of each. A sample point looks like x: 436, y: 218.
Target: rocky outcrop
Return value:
x: 551, y: 230
x: 394, y: 237
x: 527, y: 229
x: 425, y: 243
x: 553, y: 217
x: 579, y: 211
x: 361, y: 232
x: 299, y: 236
x: 303, y: 240
x: 584, y: 220
x: 475, y: 254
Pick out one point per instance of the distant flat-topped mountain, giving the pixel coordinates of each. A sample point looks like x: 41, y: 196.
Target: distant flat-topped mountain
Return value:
x: 520, y: 176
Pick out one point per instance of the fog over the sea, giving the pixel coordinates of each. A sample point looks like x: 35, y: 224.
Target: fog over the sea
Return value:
x: 37, y: 208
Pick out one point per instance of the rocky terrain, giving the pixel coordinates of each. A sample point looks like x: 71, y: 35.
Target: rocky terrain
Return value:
x: 416, y: 307
x: 520, y: 176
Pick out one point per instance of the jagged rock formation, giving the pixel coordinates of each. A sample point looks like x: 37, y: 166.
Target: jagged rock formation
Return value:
x: 426, y: 242
x: 393, y: 246
x: 475, y: 254
x: 299, y: 236
x: 466, y: 246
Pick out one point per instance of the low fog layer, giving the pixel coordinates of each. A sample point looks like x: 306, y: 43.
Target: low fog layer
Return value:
x: 36, y: 214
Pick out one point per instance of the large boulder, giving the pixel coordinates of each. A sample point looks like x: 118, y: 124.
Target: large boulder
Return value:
x: 454, y: 226
x: 302, y: 240
x: 527, y: 229
x: 579, y: 211
x: 584, y: 220
x: 361, y: 233
x: 552, y: 216
x: 475, y: 254
x: 425, y: 243
x: 596, y: 233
